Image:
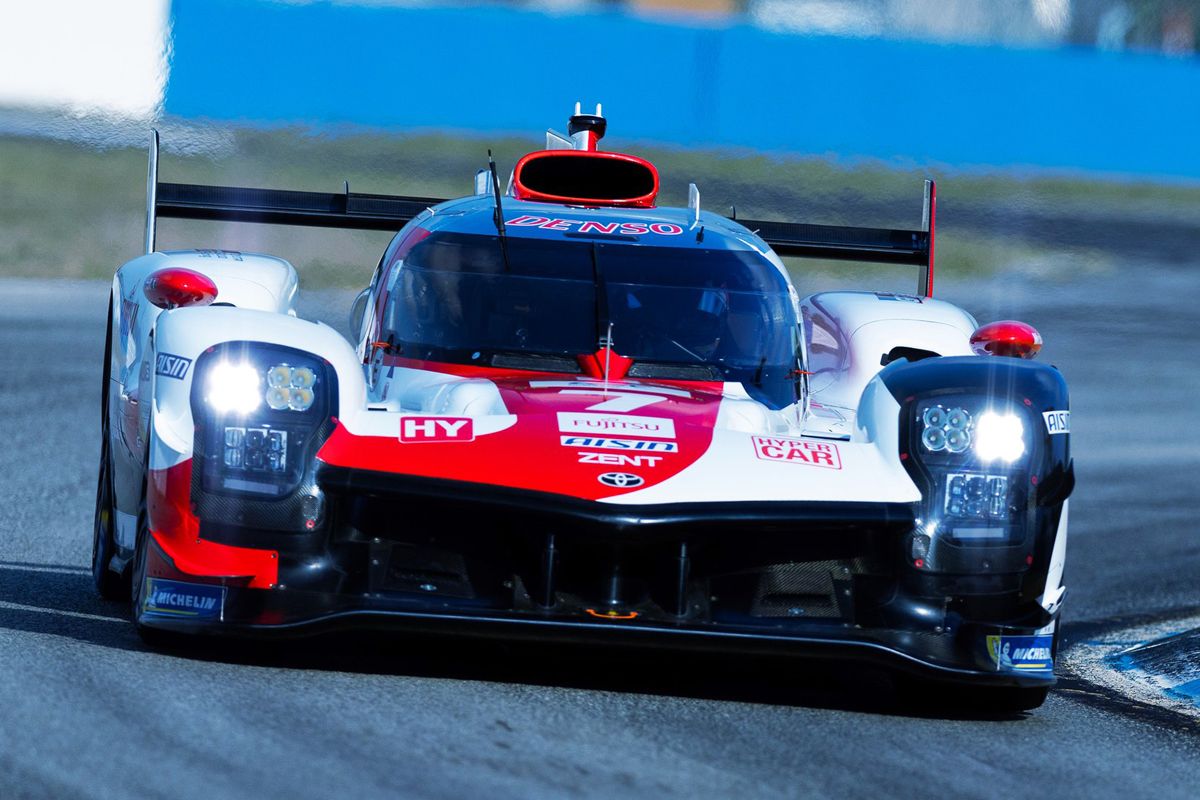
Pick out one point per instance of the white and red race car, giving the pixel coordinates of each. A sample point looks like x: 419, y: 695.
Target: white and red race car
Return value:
x: 571, y: 414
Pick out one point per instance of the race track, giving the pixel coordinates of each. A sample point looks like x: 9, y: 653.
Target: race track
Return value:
x: 88, y: 711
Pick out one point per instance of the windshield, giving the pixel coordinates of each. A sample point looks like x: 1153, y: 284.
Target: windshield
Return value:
x: 679, y: 313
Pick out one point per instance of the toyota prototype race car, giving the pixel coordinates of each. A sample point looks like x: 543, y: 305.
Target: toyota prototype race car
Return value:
x: 569, y: 414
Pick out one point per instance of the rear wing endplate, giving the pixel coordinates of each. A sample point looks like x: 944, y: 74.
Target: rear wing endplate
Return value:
x: 380, y: 212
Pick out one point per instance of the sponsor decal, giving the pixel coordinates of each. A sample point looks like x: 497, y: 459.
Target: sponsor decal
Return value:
x: 177, y: 599
x: 898, y: 298
x: 591, y: 226
x: 1026, y: 653
x: 797, y: 451
x: 223, y: 255
x: 621, y: 480
x: 605, y: 443
x: 1057, y: 421
x: 619, y: 459
x: 437, y: 429
x: 617, y: 424
x: 170, y: 366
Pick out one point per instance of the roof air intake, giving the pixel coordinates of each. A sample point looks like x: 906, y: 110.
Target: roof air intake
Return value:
x: 586, y: 178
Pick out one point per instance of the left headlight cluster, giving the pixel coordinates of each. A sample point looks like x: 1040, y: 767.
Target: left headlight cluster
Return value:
x: 239, y: 387
x: 258, y: 408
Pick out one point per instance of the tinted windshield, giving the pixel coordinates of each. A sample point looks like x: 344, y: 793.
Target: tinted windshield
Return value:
x: 678, y: 313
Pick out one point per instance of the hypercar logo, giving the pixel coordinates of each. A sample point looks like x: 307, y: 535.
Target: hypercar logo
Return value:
x: 437, y: 429
x: 170, y: 366
x: 797, y: 451
x: 621, y: 480
x: 618, y: 424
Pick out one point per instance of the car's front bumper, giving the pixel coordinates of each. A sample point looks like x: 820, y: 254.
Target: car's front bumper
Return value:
x: 822, y: 580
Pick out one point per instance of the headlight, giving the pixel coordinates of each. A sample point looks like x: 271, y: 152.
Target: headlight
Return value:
x: 970, y: 460
x: 233, y: 388
x: 999, y: 437
x: 953, y: 429
x: 260, y: 410
x: 236, y: 388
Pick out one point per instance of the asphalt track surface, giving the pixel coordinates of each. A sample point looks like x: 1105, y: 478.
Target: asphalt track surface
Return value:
x: 86, y: 710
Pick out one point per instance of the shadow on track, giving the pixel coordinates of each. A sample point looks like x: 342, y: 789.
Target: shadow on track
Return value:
x: 59, y: 600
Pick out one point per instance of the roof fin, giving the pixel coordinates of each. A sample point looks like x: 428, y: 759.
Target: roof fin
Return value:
x: 694, y: 203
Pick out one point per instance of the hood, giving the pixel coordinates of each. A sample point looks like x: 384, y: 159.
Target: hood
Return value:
x: 558, y: 433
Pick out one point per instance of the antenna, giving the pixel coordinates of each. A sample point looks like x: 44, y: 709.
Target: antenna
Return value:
x: 498, y: 213
x: 152, y: 193
x: 608, y: 342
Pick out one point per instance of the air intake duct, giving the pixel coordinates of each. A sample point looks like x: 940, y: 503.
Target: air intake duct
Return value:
x: 586, y: 178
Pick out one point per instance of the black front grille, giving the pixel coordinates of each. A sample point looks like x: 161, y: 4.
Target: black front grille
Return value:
x: 695, y: 564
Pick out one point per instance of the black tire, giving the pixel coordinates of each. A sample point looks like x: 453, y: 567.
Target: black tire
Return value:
x: 109, y: 585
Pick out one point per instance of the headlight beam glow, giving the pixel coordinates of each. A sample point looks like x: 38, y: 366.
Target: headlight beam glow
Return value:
x: 999, y: 437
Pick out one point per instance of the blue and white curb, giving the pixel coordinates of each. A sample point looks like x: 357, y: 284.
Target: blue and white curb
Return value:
x: 1157, y: 664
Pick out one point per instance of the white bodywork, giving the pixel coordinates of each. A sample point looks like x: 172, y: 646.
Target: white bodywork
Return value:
x: 845, y: 406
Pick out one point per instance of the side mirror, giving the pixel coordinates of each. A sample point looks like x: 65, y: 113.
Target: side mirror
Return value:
x: 358, y: 310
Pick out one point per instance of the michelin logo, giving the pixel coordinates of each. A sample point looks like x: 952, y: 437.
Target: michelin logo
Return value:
x: 1024, y: 653
x: 170, y: 366
x: 176, y: 599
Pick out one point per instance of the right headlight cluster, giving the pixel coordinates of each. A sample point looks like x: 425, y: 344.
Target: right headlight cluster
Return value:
x: 971, y: 455
x: 953, y: 429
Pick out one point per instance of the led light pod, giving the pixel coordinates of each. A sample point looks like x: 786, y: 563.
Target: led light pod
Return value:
x: 946, y: 429
x: 999, y: 437
x: 234, y: 388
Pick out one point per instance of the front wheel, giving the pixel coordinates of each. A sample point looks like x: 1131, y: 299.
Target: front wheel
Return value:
x: 110, y: 585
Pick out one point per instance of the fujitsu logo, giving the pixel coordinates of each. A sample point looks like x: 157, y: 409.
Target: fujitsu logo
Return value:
x: 628, y: 424
x: 437, y: 429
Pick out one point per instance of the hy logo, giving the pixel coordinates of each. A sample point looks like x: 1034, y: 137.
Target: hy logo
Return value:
x: 437, y: 429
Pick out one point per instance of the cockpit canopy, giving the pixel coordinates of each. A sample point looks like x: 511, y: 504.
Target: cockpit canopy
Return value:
x: 679, y: 314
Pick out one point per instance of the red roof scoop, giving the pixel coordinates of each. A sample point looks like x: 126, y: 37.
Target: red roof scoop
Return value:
x: 586, y: 178
x: 572, y: 171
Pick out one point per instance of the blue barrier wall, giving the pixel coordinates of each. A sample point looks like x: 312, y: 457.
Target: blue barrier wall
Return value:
x: 498, y: 69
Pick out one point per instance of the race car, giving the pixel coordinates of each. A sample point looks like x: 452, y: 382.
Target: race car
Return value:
x: 570, y: 414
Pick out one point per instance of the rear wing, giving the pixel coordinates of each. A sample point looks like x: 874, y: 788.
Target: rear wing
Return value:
x: 843, y: 243
x: 381, y: 212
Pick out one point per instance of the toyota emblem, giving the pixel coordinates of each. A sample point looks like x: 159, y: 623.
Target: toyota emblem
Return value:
x: 621, y: 480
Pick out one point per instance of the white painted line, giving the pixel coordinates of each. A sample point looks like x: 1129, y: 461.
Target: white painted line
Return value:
x: 59, y: 613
